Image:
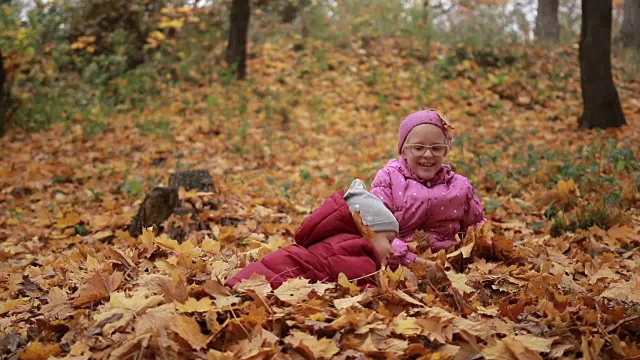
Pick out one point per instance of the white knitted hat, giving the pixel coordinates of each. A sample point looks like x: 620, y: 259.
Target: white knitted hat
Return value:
x: 372, y: 210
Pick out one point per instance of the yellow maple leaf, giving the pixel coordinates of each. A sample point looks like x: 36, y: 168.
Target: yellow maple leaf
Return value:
x: 256, y: 282
x: 404, y: 325
x: 535, y: 343
x: 138, y: 300
x: 350, y: 301
x: 406, y: 297
x: 320, y: 288
x: 92, y: 263
x: 68, y: 220
x: 209, y: 245
x: 319, y: 348
x: 293, y: 290
x: 459, y: 281
x: 345, y: 283
x: 121, y: 309
x: 147, y: 239
x: 193, y: 305
x: 189, y: 330
x: 567, y: 187
x: 10, y: 304
x: 166, y: 243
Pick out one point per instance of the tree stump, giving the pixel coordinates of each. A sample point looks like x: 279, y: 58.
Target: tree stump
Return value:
x: 192, y: 179
x: 161, y: 202
x: 156, y: 207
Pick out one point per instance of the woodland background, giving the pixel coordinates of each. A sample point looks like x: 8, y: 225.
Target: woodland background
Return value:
x: 102, y: 100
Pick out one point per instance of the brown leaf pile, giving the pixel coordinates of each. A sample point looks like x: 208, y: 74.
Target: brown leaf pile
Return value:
x: 75, y: 285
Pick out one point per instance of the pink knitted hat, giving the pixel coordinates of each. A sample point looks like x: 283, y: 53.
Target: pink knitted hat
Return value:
x: 422, y: 117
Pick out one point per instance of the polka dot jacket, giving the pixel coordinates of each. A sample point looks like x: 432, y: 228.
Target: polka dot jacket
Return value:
x: 441, y: 207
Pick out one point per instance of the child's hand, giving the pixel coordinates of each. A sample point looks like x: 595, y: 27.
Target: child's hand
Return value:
x: 399, y: 247
x: 402, y: 251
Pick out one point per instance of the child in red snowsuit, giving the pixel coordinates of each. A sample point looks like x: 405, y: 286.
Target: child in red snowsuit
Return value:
x: 329, y: 242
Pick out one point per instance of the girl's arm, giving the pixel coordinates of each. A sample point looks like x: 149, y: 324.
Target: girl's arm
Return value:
x: 474, y: 214
x: 381, y: 187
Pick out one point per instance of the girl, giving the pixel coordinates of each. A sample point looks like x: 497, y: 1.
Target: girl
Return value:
x: 422, y: 192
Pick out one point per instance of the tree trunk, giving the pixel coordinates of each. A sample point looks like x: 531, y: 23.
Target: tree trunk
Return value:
x: 547, y: 25
x: 630, y: 31
x: 238, y: 29
x: 4, y: 96
x: 601, y: 104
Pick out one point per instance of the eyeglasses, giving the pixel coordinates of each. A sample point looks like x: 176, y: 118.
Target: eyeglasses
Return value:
x: 418, y: 150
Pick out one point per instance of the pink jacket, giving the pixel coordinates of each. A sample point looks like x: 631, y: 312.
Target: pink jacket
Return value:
x: 441, y: 207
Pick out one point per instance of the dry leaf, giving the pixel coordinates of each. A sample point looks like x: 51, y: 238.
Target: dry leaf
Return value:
x: 345, y: 283
x: 189, y: 330
x: 256, y: 282
x: 293, y: 290
x: 193, y: 305
x: 459, y: 281
x: 40, y: 351
x: 320, y: 348
x: 627, y: 291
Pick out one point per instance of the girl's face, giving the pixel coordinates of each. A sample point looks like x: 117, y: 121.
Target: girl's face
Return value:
x: 382, y: 243
x: 425, y: 149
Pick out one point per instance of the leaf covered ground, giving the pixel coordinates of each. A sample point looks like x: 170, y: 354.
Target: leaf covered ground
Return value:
x: 563, y: 209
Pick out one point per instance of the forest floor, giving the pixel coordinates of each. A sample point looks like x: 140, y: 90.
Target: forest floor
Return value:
x: 563, y: 205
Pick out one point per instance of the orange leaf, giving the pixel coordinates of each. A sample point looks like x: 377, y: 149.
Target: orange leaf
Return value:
x: 68, y: 220
x: 98, y: 287
x: 40, y: 351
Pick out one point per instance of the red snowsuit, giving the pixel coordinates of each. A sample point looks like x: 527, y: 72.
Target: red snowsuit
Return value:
x: 327, y: 243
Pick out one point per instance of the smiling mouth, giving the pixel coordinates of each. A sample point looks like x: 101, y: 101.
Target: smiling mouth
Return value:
x: 426, y: 165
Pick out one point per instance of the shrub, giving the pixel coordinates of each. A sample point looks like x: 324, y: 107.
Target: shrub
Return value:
x: 114, y: 27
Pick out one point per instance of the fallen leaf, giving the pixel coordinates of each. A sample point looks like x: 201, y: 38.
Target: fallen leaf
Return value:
x: 189, y: 330
x: 519, y: 350
x: 70, y: 219
x: 320, y: 348
x: 406, y: 297
x: 98, y: 287
x: 293, y: 290
x: 40, y: 351
x: 155, y: 319
x: 347, y: 302
x: 535, y: 343
x: 345, y: 283
x: 256, y: 282
x: 459, y: 281
x: 193, y: 305
x: 405, y: 325
x: 626, y: 291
